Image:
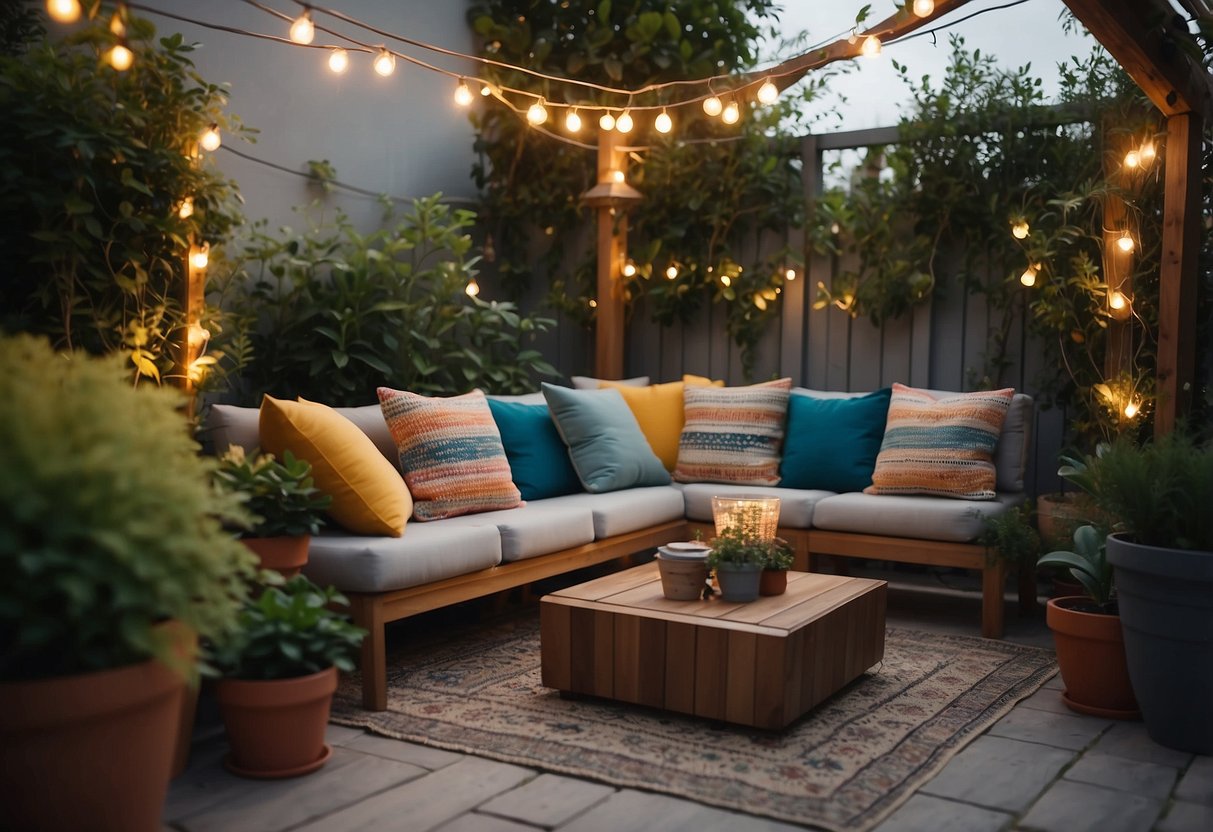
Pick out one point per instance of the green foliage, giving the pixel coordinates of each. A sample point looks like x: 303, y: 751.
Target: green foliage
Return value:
x: 1010, y: 535
x: 109, y: 523
x: 94, y: 164
x: 1088, y: 563
x: 290, y: 631
x: 709, y: 194
x: 332, y: 313
x: 281, y: 495
x: 735, y: 545
x: 780, y: 555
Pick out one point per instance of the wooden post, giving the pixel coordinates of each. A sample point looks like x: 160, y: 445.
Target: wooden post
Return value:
x: 1177, y: 276
x: 189, y: 343
x: 1118, y: 275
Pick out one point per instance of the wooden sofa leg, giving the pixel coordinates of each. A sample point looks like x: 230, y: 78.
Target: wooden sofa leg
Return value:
x: 367, y: 614
x: 993, y: 576
x: 1027, y: 586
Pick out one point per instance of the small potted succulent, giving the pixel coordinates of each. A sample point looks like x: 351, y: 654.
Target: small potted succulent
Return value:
x: 779, y: 558
x: 738, y: 560
x: 287, y: 506
x: 279, y: 676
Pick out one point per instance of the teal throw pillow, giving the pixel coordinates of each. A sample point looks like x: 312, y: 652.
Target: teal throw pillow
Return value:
x: 539, y: 461
x: 832, y: 444
x: 604, y: 440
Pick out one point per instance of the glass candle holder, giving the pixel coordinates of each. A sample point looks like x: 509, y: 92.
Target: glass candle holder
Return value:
x: 756, y: 517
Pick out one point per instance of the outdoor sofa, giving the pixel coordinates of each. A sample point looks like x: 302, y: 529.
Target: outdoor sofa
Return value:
x: 446, y: 561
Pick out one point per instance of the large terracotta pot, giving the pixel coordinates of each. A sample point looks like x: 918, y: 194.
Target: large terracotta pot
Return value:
x: 276, y: 728
x: 287, y: 555
x: 92, y: 751
x: 1091, y: 655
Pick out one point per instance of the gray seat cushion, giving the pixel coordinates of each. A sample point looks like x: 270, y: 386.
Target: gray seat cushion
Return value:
x: 795, y: 505
x: 228, y: 424
x: 427, y: 552
x: 619, y: 512
x: 926, y: 518
x: 536, y: 528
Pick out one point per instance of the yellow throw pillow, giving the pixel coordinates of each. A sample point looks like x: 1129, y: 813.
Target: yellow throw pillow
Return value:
x: 658, y: 409
x: 369, y: 495
x: 701, y: 381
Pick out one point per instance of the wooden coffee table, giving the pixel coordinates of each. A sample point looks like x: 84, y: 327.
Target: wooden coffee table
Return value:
x: 762, y: 664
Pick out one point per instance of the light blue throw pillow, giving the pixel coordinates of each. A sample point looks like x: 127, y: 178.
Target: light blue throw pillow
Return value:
x: 605, y: 444
x: 539, y: 461
x: 831, y: 444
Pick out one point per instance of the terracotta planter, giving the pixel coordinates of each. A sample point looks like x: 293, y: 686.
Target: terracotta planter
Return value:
x: 682, y: 580
x: 1091, y: 655
x: 92, y: 751
x: 276, y: 728
x: 773, y: 582
x: 739, y: 581
x: 287, y: 555
x: 1058, y: 515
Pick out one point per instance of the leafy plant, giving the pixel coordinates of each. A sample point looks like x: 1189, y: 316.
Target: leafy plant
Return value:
x: 736, y: 546
x: 780, y: 555
x: 332, y: 313
x: 1010, y: 536
x: 281, y: 495
x: 95, y: 165
x: 108, y: 520
x: 1088, y: 563
x: 290, y: 631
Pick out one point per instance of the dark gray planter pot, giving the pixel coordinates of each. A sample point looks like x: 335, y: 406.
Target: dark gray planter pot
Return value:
x: 1166, y: 611
x: 739, y: 581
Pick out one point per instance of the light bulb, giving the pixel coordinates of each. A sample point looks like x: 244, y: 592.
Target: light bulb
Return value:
x: 672, y: 272
x: 385, y: 63
x: 537, y: 114
x: 1125, y: 242
x: 472, y: 289
x: 210, y: 139
x: 731, y: 113
x: 712, y: 106
x: 1028, y: 278
x: 790, y: 274
x: 1117, y: 301
x: 607, y: 122
x: 1132, y: 159
x: 629, y: 269
x: 120, y: 58
x: 618, y: 175
x: 663, y: 123
x: 572, y: 122
x: 624, y: 123
x: 302, y: 30
x: 923, y: 8
x: 725, y: 280
x: 593, y: 303
x: 1132, y: 408
x: 200, y: 256
x: 1019, y: 230
x: 1148, y: 153
x: 186, y: 209
x: 63, y: 11
x: 339, y: 61
x: 768, y: 93
x: 117, y: 27
x: 463, y: 95
x: 486, y: 90
x: 871, y: 47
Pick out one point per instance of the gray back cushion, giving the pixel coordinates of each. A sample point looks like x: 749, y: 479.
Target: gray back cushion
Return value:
x: 232, y: 425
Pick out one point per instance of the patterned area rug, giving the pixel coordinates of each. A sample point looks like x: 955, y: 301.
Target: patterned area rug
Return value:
x: 844, y: 765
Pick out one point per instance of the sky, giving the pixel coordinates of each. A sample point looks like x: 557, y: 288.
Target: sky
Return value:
x: 1030, y: 32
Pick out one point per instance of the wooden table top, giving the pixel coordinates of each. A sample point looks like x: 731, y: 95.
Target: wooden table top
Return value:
x: 637, y: 591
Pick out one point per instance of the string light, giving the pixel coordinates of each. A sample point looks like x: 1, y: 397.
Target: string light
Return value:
x: 624, y: 123
x: 1028, y: 278
x: 339, y: 61
x: 924, y: 8
x: 472, y: 289
x: 1132, y: 408
x: 385, y: 63
x: 725, y: 280
x: 593, y: 303
x: 63, y: 11
x: 1125, y: 242
x: 486, y: 91
x: 871, y: 47
x: 1132, y: 159
x: 463, y: 95
x: 186, y: 209
x: 537, y: 113
x: 117, y: 27
x: 790, y: 274
x: 629, y: 269
x: 1148, y: 153
x: 1117, y: 301
x: 671, y: 272
x: 210, y: 139
x: 768, y: 93
x: 607, y: 122
x: 572, y: 121
x: 1019, y: 230
x: 200, y: 256
x: 120, y: 57
x: 618, y: 176
x: 712, y: 106
x: 663, y: 123
x: 302, y: 30
x: 731, y: 113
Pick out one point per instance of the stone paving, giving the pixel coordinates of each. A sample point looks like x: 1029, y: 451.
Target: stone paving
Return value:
x: 1042, y: 767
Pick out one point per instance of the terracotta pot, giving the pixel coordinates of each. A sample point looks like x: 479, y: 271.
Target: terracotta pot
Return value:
x: 92, y: 751
x: 276, y: 728
x: 682, y: 580
x: 1091, y: 655
x: 1058, y: 515
x: 287, y: 555
x: 773, y: 582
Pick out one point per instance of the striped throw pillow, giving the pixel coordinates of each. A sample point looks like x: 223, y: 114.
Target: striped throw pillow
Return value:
x: 733, y: 434
x: 450, y: 453
x: 940, y: 445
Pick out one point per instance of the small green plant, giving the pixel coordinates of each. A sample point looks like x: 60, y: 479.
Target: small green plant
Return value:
x: 1010, y: 536
x: 1088, y: 563
x: 290, y: 631
x: 780, y: 555
x: 281, y: 495
x: 736, y: 546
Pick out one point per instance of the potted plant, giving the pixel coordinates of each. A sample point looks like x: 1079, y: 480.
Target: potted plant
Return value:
x: 279, y: 676
x: 1161, y: 493
x: 779, y: 558
x: 1087, y: 634
x: 287, y: 508
x: 114, y: 558
x: 738, y: 559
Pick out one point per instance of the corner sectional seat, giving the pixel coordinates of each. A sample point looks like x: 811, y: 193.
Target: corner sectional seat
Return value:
x: 441, y: 562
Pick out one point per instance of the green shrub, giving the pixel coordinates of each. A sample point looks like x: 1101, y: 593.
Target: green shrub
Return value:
x: 281, y: 495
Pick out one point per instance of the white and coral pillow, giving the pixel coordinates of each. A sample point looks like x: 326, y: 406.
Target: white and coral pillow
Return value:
x: 733, y: 434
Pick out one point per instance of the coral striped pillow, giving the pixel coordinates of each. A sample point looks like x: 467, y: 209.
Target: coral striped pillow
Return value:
x: 450, y: 452
x: 940, y: 445
x: 733, y: 434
